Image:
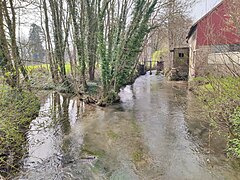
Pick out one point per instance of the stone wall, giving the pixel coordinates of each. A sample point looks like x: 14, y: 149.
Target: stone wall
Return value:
x: 206, y: 62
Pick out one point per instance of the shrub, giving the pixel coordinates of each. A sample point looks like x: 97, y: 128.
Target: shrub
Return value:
x: 222, y: 101
x: 234, y: 142
x: 17, y: 109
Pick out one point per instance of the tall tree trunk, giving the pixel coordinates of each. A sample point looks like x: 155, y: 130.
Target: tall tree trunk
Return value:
x: 11, y: 47
x: 53, y: 64
x: 60, y: 33
x: 5, y: 59
x: 92, y: 37
x: 79, y: 32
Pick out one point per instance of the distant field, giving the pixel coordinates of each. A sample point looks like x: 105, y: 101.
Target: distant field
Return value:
x: 40, y: 66
x: 46, y: 66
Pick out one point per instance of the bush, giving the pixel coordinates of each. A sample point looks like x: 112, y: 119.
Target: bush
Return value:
x: 221, y: 97
x: 17, y: 109
x: 234, y: 142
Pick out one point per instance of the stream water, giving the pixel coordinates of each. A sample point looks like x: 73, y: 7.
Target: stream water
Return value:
x: 156, y: 132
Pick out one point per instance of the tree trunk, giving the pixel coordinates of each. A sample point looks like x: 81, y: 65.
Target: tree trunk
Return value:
x: 92, y: 38
x: 53, y: 65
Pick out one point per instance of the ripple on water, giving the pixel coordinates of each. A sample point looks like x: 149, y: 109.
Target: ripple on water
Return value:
x: 147, y: 136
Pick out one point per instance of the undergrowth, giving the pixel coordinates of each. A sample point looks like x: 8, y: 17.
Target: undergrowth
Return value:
x: 221, y: 97
x: 17, y: 109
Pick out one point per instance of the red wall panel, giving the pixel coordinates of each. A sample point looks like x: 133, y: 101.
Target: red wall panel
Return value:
x: 214, y: 28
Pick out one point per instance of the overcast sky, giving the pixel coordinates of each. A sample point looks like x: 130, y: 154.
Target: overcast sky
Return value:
x: 202, y: 7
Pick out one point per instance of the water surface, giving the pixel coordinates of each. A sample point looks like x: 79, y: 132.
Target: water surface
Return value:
x: 154, y: 133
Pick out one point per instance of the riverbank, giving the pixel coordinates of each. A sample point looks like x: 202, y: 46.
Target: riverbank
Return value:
x: 68, y: 131
x: 221, y: 100
x: 17, y: 109
x: 128, y: 140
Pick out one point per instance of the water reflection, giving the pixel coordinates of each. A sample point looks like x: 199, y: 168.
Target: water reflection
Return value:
x: 48, y: 132
x: 147, y: 136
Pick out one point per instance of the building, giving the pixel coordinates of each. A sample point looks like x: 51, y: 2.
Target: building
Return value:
x: 214, y: 41
x: 180, y: 64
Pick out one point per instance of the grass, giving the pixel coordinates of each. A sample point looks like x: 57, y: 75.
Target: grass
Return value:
x: 46, y: 66
x: 40, y: 66
x: 225, y: 87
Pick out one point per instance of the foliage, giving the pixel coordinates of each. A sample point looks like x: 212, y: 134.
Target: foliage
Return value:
x: 222, y: 100
x: 35, y: 39
x: 157, y: 55
x: 11, y: 64
x: 118, y: 53
x: 17, y: 109
x: 234, y: 143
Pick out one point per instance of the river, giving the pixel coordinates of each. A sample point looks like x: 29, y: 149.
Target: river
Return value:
x: 156, y: 132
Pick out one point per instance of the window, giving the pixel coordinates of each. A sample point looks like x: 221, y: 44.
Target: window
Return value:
x: 234, y: 47
x: 181, y: 55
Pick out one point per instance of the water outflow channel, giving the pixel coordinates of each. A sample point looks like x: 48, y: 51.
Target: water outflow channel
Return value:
x: 147, y: 136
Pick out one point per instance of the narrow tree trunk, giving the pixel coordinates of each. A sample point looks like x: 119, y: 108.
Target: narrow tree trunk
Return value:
x: 6, y: 63
x: 53, y: 65
x: 79, y: 29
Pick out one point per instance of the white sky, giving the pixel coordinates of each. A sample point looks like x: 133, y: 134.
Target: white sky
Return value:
x: 199, y: 10
x: 202, y: 7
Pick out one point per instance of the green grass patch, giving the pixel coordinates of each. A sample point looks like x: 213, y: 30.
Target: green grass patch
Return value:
x: 207, y: 87
x: 46, y: 66
x: 36, y: 67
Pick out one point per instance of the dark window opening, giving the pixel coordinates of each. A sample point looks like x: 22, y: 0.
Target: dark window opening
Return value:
x: 181, y: 55
x: 234, y: 47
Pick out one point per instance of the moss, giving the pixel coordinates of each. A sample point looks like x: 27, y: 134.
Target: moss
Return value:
x: 17, y: 109
x: 112, y: 135
x: 137, y: 155
x: 135, y: 126
x: 87, y: 151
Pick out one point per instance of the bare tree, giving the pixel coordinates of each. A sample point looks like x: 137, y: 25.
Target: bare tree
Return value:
x: 12, y: 65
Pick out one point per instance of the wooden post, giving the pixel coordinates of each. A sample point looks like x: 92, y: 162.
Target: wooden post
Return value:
x: 150, y: 66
